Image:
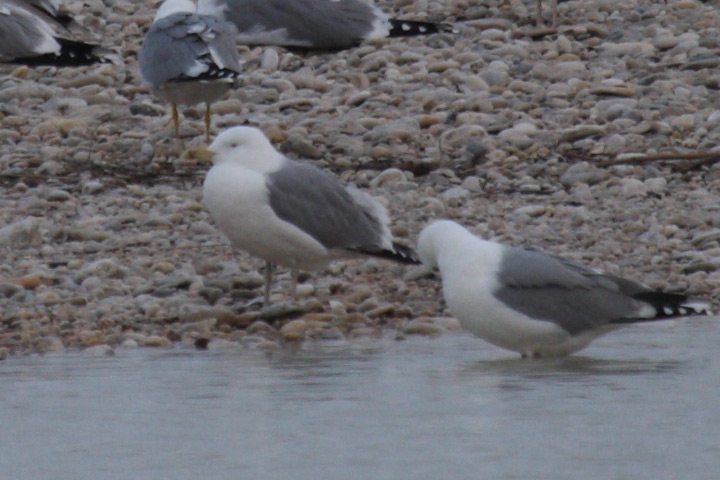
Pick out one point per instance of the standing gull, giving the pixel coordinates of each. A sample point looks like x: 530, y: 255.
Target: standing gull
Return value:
x: 27, y: 37
x: 287, y: 212
x: 314, y: 24
x: 535, y: 303
x: 188, y: 58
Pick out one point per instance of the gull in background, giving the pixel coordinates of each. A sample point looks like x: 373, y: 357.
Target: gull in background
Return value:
x: 314, y: 24
x: 28, y: 36
x: 535, y: 303
x: 289, y: 212
x: 188, y: 58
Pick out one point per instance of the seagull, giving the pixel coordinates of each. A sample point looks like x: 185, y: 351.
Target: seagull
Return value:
x: 314, y: 24
x: 289, y: 212
x: 28, y: 37
x: 188, y: 58
x: 533, y: 302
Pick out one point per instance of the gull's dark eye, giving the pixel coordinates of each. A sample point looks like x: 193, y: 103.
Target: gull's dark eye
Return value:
x: 233, y: 145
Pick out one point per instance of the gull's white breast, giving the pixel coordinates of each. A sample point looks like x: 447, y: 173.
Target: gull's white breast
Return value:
x: 470, y: 279
x: 237, y: 199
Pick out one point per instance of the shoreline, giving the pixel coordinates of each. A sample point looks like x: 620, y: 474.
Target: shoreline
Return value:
x: 106, y: 240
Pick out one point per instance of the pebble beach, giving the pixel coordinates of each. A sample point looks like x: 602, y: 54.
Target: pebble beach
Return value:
x: 594, y: 141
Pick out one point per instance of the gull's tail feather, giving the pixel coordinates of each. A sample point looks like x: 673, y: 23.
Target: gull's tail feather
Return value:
x: 669, y: 305
x: 407, y: 28
x: 213, y: 73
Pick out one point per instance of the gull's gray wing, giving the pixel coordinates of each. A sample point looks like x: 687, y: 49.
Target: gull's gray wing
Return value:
x: 49, y: 10
x: 571, y: 295
x: 188, y: 46
x: 319, y: 205
x: 23, y: 34
x: 26, y: 37
x: 321, y: 24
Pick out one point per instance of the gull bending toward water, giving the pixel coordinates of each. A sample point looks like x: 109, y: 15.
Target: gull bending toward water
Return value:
x: 287, y: 212
x: 28, y: 36
x: 314, y: 24
x: 535, y: 303
x: 188, y: 58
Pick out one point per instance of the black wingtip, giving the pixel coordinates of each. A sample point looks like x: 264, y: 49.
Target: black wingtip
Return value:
x: 399, y: 253
x: 405, y: 254
x: 72, y: 54
x: 213, y: 73
x: 408, y: 28
x: 669, y: 305
x: 64, y: 20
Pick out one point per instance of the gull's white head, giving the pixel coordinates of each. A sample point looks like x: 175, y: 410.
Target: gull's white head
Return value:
x: 429, y: 242
x: 246, y: 146
x: 436, y: 236
x: 169, y: 7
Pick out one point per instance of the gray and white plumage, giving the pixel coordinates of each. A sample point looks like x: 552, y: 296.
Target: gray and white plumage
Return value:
x: 313, y: 24
x: 535, y: 303
x: 27, y: 36
x: 50, y: 10
x: 188, y: 58
x: 287, y: 212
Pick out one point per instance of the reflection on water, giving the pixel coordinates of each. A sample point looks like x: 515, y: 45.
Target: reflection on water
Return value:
x: 641, y: 403
x: 575, y: 367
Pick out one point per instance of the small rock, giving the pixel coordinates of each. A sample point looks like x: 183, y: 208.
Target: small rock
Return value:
x: 305, y: 290
x: 446, y: 323
x: 267, y: 345
x: 422, y: 327
x: 270, y: 60
x: 301, y: 147
x: 28, y: 281
x: 49, y: 345
x: 57, y: 195
x: 279, y: 311
x: 21, y: 234
x: 573, y: 134
x: 9, y: 289
x: 531, y: 210
x: 129, y: 343
x: 157, y: 341
x: 381, y: 311
x: 705, y: 239
x: 657, y: 185
x: 358, y: 98
x: 583, y: 172
x: 389, y: 176
x: 632, y: 187
x: 99, y: 351
x: 103, y: 268
x: 259, y: 326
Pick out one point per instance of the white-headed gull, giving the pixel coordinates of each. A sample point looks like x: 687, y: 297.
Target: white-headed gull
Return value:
x: 289, y: 212
x: 536, y: 303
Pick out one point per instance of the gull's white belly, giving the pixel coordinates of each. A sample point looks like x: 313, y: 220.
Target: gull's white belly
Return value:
x: 474, y: 305
x: 192, y: 92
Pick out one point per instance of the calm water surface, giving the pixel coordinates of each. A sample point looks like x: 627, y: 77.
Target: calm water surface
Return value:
x: 641, y: 403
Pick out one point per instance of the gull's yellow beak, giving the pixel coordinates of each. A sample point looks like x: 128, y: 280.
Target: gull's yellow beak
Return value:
x: 199, y: 154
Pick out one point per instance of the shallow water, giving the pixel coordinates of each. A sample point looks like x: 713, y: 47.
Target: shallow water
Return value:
x: 640, y: 403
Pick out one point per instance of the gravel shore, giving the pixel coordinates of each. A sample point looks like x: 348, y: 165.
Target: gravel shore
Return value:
x: 501, y: 127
